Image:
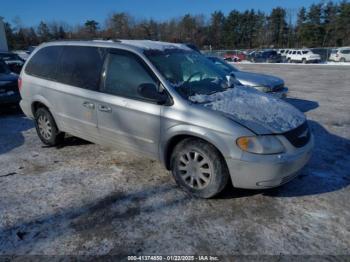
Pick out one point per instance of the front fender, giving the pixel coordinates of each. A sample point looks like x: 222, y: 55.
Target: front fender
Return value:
x: 223, y: 142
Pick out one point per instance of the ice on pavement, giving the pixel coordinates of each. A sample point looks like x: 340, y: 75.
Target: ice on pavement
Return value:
x: 247, y: 104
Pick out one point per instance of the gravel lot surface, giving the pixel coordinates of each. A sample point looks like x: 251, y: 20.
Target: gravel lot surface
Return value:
x: 83, y: 199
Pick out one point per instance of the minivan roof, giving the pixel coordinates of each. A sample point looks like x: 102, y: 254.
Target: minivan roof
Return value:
x: 139, y: 45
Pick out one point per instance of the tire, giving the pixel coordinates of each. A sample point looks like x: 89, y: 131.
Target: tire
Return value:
x: 191, y: 155
x: 46, y: 128
x: 304, y: 61
x: 342, y: 59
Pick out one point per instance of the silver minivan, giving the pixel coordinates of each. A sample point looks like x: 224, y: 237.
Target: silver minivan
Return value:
x: 167, y: 102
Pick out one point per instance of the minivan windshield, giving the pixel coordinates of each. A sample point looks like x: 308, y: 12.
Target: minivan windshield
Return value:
x: 188, y: 71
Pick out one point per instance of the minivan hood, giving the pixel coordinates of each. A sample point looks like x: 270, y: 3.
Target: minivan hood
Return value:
x: 262, y: 113
x: 254, y: 79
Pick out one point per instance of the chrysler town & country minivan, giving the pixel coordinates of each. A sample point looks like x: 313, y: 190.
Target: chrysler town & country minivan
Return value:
x: 166, y: 102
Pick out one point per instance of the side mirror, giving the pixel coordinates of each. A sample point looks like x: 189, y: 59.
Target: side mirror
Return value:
x: 150, y: 91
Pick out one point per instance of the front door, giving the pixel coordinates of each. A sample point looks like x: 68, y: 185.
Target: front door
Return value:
x: 125, y: 118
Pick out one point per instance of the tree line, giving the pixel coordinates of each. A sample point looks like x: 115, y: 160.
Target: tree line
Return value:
x: 325, y: 24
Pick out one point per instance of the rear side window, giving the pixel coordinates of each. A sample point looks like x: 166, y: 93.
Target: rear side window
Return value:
x: 80, y: 66
x: 125, y: 73
x: 294, y: 52
x: 43, y: 63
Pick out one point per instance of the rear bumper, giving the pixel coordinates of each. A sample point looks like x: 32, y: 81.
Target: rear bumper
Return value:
x: 26, y: 108
x: 267, y: 171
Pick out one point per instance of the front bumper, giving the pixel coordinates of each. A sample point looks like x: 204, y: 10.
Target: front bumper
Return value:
x: 280, y: 93
x: 267, y: 171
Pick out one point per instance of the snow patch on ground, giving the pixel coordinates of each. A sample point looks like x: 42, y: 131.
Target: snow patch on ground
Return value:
x: 247, y: 104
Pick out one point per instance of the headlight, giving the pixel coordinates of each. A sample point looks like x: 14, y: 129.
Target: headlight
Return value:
x: 264, y: 89
x: 260, y: 144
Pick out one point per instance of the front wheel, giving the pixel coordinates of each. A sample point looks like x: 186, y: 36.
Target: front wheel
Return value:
x: 46, y: 128
x: 199, y: 168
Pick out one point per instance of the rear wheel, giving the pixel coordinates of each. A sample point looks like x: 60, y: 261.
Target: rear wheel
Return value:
x: 304, y: 61
x: 46, y: 128
x: 199, y: 168
x: 342, y: 59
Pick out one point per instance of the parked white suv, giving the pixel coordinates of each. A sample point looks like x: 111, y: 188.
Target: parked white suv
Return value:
x: 303, y: 56
x: 340, y: 55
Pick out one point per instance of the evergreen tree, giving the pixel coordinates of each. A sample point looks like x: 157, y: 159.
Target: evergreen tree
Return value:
x: 44, y: 32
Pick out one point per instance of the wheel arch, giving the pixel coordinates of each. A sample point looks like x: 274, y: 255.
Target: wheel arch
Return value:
x: 40, y: 101
x: 177, y: 138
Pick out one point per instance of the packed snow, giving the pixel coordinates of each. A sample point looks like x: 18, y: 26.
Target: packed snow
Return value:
x: 246, y: 104
x: 154, y: 45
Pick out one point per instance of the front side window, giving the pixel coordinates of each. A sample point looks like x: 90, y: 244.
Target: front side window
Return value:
x: 124, y: 74
x: 80, y: 66
x: 305, y: 52
x: 43, y: 63
x: 345, y: 51
x: 188, y: 72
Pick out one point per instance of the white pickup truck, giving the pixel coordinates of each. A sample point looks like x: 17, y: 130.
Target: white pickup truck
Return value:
x: 303, y: 56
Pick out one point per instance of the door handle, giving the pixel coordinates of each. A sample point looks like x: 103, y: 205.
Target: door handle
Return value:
x: 89, y: 105
x: 104, y: 108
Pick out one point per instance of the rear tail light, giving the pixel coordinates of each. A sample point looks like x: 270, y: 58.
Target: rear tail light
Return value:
x: 19, y: 83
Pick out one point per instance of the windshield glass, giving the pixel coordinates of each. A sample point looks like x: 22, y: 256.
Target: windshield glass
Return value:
x: 223, y: 65
x: 189, y: 72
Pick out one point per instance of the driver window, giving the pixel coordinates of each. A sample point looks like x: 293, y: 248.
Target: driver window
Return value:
x: 123, y: 74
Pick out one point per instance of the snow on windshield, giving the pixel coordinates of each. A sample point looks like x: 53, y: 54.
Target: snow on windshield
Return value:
x: 247, y: 104
x: 155, y: 45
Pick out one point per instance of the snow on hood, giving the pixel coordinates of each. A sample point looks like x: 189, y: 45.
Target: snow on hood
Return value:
x: 154, y: 45
x: 256, y: 110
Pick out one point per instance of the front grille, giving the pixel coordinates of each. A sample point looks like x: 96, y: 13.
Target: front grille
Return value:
x: 299, y: 136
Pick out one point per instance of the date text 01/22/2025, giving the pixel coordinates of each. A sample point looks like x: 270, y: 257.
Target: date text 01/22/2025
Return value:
x: 173, y: 258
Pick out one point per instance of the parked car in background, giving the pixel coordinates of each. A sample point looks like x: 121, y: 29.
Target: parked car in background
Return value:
x: 22, y: 54
x: 341, y: 54
x: 264, y: 83
x: 14, y: 62
x: 303, y: 56
x: 283, y: 53
x: 235, y: 56
x: 265, y: 56
x: 167, y: 102
x: 9, y: 94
